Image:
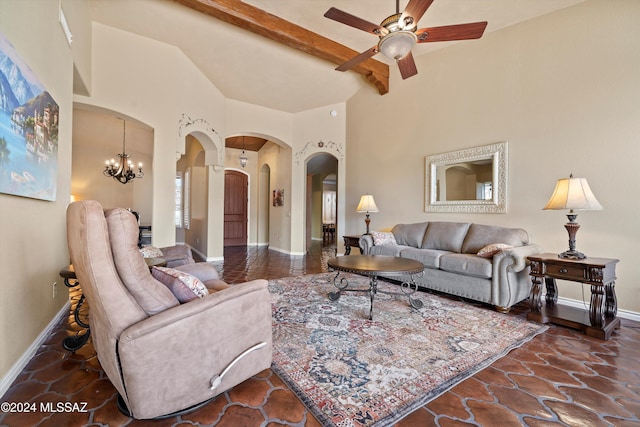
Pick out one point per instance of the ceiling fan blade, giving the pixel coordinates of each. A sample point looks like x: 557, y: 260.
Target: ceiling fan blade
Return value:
x: 358, y: 59
x: 407, y: 66
x: 469, y: 31
x: 354, y: 21
x: 415, y: 9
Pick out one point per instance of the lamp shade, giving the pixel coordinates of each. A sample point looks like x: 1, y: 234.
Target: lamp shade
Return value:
x: 573, y: 193
x: 367, y: 204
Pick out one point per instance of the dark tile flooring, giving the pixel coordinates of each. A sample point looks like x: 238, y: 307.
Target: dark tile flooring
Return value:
x: 559, y: 378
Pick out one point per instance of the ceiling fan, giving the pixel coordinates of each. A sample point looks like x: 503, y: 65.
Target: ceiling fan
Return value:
x: 398, y: 34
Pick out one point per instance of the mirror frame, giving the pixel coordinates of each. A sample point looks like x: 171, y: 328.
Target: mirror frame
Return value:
x: 498, y: 204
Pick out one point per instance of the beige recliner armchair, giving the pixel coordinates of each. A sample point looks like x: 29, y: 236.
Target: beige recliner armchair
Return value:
x: 163, y: 357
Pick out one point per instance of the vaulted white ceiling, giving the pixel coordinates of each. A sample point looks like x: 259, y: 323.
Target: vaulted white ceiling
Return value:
x: 247, y: 67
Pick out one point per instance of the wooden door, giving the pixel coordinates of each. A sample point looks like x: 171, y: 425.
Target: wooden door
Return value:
x: 235, y: 208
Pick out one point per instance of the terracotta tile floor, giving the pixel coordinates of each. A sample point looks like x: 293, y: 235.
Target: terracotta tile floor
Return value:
x: 559, y: 378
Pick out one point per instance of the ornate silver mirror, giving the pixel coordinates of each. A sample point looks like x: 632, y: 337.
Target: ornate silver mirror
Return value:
x: 473, y: 180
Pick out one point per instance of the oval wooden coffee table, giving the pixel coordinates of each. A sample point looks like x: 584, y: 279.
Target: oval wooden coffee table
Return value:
x: 374, y: 266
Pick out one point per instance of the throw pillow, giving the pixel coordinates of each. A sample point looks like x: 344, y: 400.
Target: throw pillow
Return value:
x: 184, y: 286
x: 383, y: 238
x: 492, y: 249
x: 151, y: 252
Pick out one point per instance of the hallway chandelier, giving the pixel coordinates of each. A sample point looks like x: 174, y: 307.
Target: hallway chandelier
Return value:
x: 122, y: 170
x: 243, y: 156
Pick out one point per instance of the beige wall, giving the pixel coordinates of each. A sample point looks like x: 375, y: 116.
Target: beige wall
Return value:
x: 562, y: 89
x: 97, y: 136
x: 316, y: 131
x: 33, y: 235
x: 158, y: 87
x: 278, y: 159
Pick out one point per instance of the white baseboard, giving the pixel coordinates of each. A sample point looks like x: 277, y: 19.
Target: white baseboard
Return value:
x: 17, y: 367
x: 625, y: 314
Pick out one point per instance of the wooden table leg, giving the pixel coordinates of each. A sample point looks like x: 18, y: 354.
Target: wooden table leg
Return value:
x: 535, y: 298
x: 596, y: 314
x: 611, y: 302
x: 552, y: 291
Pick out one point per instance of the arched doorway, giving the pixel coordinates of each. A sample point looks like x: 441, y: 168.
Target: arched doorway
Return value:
x: 236, y: 190
x: 322, y: 171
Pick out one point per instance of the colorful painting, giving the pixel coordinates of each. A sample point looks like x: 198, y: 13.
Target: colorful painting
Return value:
x: 28, y: 130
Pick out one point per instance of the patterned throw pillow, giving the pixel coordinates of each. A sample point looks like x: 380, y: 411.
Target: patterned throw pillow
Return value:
x: 383, y: 238
x: 150, y: 252
x: 184, y: 286
x: 490, y: 250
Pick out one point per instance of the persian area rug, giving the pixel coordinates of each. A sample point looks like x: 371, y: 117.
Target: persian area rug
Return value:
x: 350, y: 371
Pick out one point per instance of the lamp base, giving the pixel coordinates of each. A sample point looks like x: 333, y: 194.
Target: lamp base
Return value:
x: 572, y: 228
x: 572, y: 254
x: 367, y: 221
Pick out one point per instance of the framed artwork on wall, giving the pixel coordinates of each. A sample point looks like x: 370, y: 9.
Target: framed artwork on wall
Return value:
x: 278, y: 197
x: 29, y: 118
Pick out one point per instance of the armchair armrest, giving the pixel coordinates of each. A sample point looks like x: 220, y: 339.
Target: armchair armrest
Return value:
x: 182, y: 351
x: 187, y: 312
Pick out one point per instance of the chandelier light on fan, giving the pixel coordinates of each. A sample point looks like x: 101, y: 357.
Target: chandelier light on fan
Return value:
x: 122, y: 170
x: 398, y: 34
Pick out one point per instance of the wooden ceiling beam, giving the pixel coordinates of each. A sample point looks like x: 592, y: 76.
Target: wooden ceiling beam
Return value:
x: 258, y: 21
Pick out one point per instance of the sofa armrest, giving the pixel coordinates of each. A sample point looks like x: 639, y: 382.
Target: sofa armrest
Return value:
x: 510, y: 282
x: 177, y: 255
x: 177, y: 353
x: 517, y: 256
x: 366, y: 243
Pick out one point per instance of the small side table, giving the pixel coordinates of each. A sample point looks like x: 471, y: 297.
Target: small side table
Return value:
x: 600, y: 273
x: 68, y: 273
x: 351, y: 241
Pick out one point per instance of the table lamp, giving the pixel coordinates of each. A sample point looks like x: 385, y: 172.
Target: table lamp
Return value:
x: 573, y: 194
x: 367, y: 205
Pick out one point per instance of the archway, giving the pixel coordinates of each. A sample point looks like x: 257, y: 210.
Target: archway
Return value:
x: 319, y: 167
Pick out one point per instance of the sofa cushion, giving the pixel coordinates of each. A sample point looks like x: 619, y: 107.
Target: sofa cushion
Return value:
x: 383, y: 238
x: 445, y: 236
x: 183, y: 286
x: 391, y: 250
x: 410, y: 234
x: 469, y: 265
x: 150, y: 294
x: 430, y: 258
x: 480, y: 236
x: 490, y: 250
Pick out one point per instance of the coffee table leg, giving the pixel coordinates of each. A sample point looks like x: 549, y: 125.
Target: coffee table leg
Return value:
x: 342, y: 284
x: 373, y: 290
x: 409, y: 288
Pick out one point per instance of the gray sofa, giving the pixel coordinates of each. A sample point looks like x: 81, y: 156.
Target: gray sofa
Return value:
x: 449, y: 250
